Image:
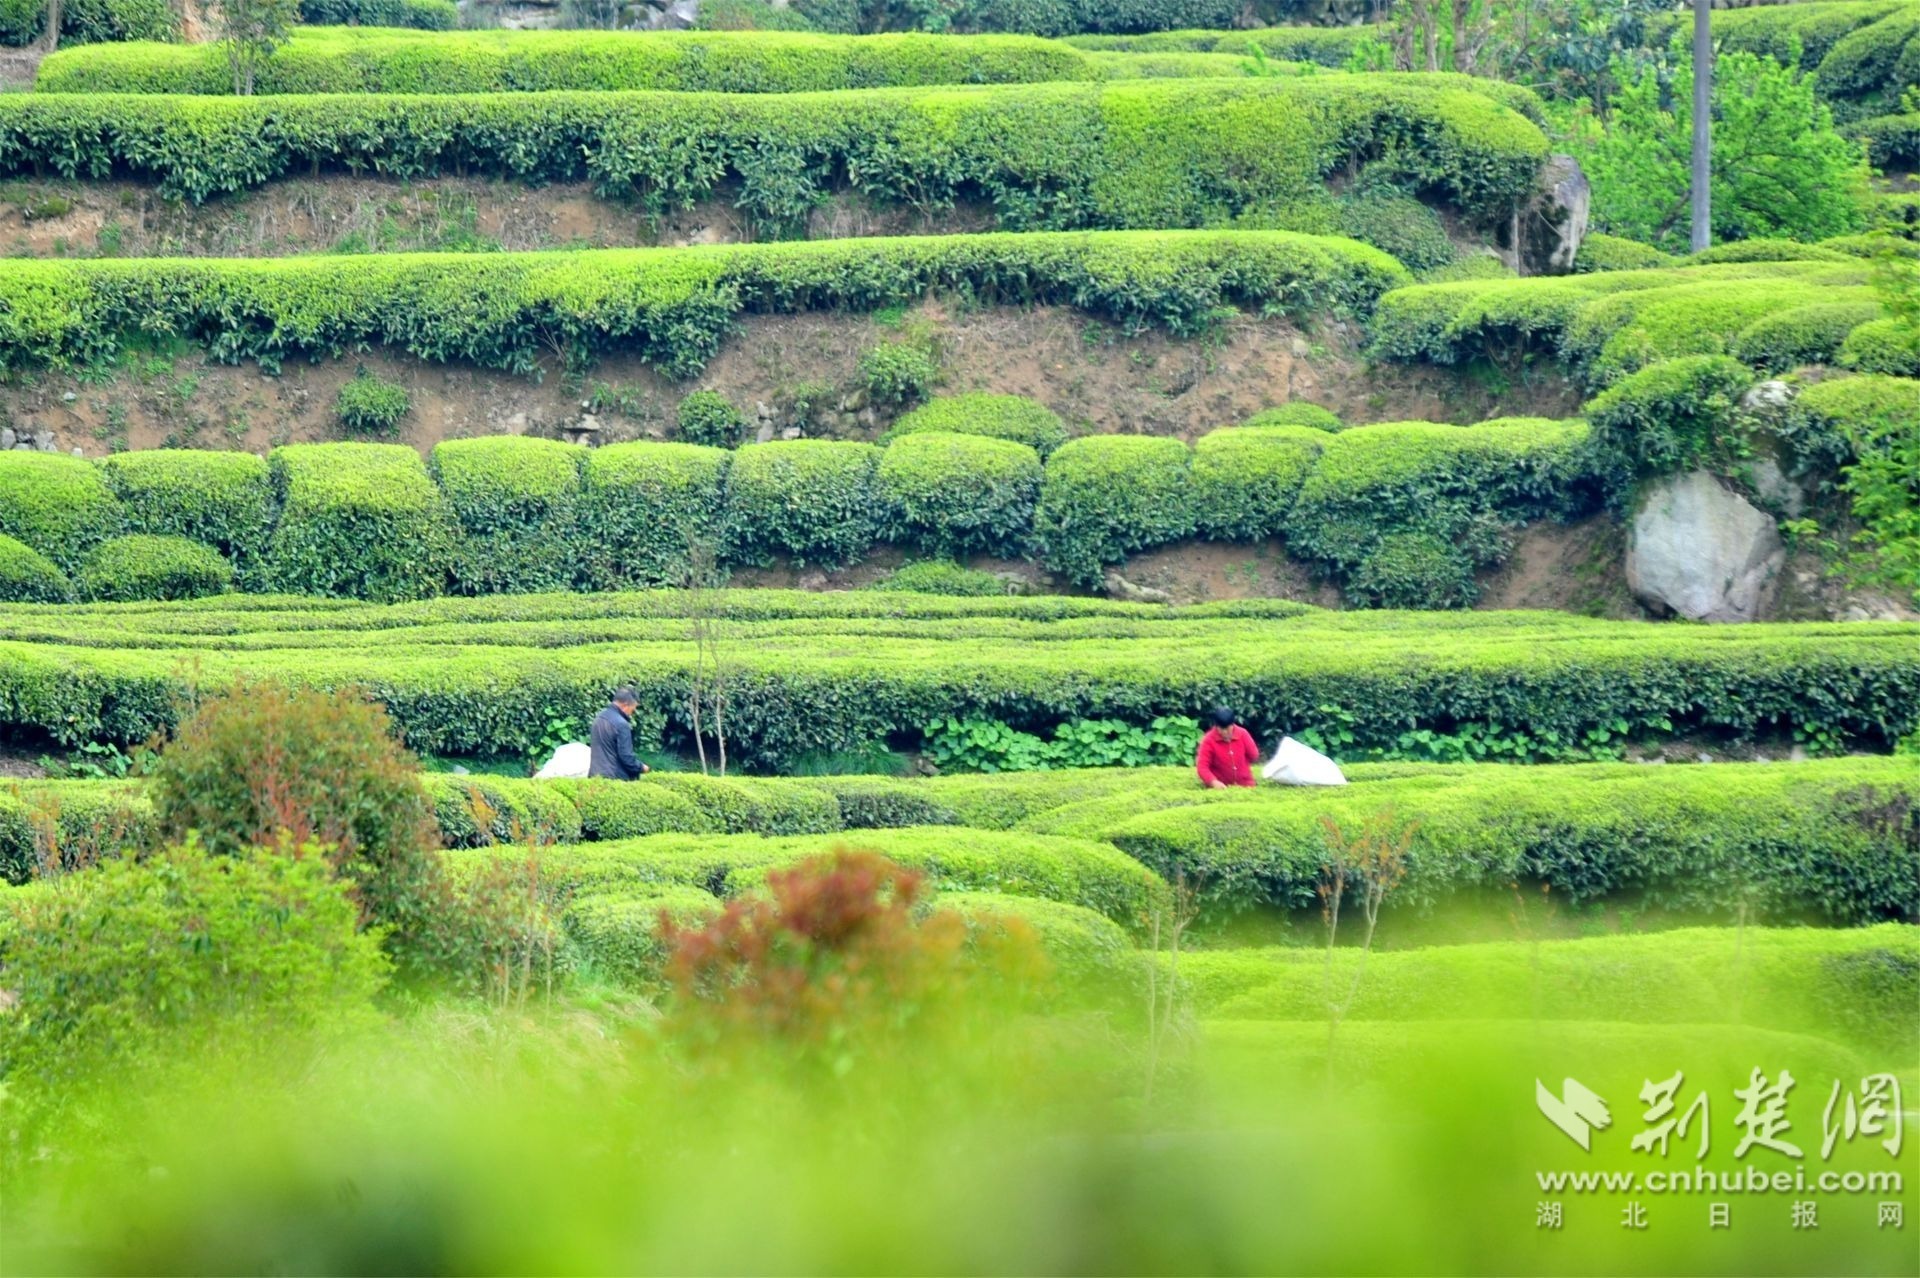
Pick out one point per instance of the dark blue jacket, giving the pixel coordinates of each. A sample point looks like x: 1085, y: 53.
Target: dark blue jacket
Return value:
x: 612, y: 739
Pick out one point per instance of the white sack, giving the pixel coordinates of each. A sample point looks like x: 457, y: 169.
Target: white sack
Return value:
x: 570, y: 760
x: 1297, y: 764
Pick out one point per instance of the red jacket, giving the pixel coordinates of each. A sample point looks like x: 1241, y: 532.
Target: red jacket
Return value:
x: 1226, y: 757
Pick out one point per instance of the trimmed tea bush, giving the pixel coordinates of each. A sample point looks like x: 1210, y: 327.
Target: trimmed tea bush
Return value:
x: 1107, y: 496
x: 1053, y: 156
x: 1668, y: 416
x: 1297, y: 413
x: 478, y: 811
x: 648, y: 511
x: 1823, y: 420
x: 224, y: 499
x: 671, y: 307
x: 372, y: 61
x: 371, y: 405
x: 1246, y: 477
x: 957, y: 494
x: 1459, y: 484
x: 57, y: 504
x: 518, y: 504
x: 27, y: 576
x: 361, y: 520
x: 90, y: 21
x: 1887, y: 346
x: 145, y: 566
x: 630, y: 810
x: 1013, y: 417
x: 620, y: 938
x: 706, y: 418
x: 1414, y: 570
x: 836, y: 671
x: 1801, y: 335
x: 1599, y: 251
x: 1796, y: 843
x: 421, y: 15
x: 809, y: 499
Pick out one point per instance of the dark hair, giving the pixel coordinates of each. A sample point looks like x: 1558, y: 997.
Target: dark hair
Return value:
x: 1222, y: 717
x: 626, y: 697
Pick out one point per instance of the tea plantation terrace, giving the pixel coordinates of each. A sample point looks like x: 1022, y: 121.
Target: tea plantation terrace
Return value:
x: 813, y: 672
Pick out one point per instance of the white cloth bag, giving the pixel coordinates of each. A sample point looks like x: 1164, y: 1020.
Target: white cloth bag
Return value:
x: 570, y: 760
x: 1297, y: 764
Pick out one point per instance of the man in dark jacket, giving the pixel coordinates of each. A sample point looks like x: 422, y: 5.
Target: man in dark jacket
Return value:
x: 612, y: 739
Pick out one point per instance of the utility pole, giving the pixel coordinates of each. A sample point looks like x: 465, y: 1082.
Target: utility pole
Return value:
x: 1702, y: 131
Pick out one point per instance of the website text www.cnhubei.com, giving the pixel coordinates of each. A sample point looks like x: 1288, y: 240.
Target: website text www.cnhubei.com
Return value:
x: 1741, y: 1180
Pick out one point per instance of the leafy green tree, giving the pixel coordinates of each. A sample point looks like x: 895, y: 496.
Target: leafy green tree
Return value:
x: 1779, y: 168
x: 251, y: 30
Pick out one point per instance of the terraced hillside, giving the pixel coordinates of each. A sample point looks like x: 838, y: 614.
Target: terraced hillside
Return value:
x: 920, y: 421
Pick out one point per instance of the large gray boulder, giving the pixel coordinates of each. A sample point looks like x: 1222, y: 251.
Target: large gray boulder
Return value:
x: 1700, y: 550
x: 1548, y: 231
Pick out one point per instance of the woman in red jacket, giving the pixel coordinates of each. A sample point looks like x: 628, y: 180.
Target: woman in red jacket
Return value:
x: 1227, y: 753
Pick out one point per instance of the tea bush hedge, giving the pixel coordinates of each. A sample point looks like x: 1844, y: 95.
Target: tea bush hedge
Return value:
x: 1090, y: 954
x: 621, y: 938
x: 145, y: 566
x: 1011, y: 417
x: 484, y: 676
x: 1459, y: 484
x: 958, y: 494
x: 1893, y: 141
x: 1074, y: 871
x: 58, y: 505
x: 1106, y: 496
x: 1817, y: 981
x: 1800, y: 335
x: 1669, y: 416
x: 812, y: 500
x: 418, y: 15
x: 1137, y: 154
x: 1887, y: 346
x: 481, y: 811
x: 362, y: 520
x: 27, y: 576
x: 1245, y: 478
x: 1326, y: 46
x: 648, y: 511
x: 1599, y: 251
x: 89, y: 21
x: 517, y: 501
x: 1610, y: 323
x: 1841, y: 845
x: 372, y: 61
x: 620, y: 810
x: 1825, y: 419
x: 223, y: 499
x: 672, y: 307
